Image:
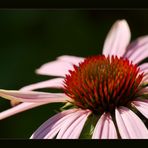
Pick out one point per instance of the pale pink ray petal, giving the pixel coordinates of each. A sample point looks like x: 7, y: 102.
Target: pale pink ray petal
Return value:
x: 67, y: 133
x: 53, y: 83
x: 53, y: 132
x: 55, y: 68
x: 105, y: 128
x: 137, y: 50
x: 19, y: 108
x: 142, y: 106
x: 117, y: 39
x: 52, y: 125
x: 121, y: 125
x: 74, y: 129
x: 78, y: 129
x: 33, y: 96
x: 71, y: 59
x: 145, y: 78
x: 59, y: 125
x: 66, y: 125
x: 130, y: 125
x: 65, y: 122
x: 144, y: 67
x: 138, y: 43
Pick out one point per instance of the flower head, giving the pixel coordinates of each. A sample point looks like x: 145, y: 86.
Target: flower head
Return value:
x: 103, y: 83
x: 111, y: 89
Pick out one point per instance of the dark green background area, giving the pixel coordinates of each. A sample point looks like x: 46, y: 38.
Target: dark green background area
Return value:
x: 30, y: 38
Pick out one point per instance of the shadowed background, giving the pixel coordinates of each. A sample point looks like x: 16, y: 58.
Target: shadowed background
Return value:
x: 30, y: 38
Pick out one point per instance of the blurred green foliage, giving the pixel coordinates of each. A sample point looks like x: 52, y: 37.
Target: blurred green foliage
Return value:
x: 30, y: 38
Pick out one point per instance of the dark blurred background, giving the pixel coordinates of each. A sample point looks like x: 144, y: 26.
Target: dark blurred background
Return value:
x: 30, y: 38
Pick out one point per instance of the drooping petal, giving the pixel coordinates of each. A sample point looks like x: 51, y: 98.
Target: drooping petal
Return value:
x: 144, y: 67
x: 44, y: 129
x: 142, y: 106
x: 19, y: 108
x: 60, y: 124
x: 51, y: 127
x: 117, y: 39
x: 105, y: 128
x: 73, y: 130
x: 55, y: 68
x: 130, y: 125
x: 32, y: 96
x: 53, y: 83
x: 78, y: 129
x: 71, y: 59
x: 145, y: 78
x: 137, y: 50
x: 65, y: 125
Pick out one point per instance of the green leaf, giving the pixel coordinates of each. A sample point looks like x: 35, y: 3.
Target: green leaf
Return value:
x: 89, y: 127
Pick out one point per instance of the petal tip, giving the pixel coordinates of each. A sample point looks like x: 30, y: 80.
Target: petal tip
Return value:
x: 121, y: 22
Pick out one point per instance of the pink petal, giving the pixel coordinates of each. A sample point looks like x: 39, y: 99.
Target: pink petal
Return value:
x: 139, y: 42
x: 137, y: 50
x: 117, y: 39
x: 71, y: 59
x: 105, y: 128
x: 142, y: 106
x: 145, y: 79
x: 78, y: 129
x: 32, y: 96
x: 74, y: 130
x: 130, y: 125
x: 66, y: 124
x: 144, y: 67
x: 53, y: 125
x: 60, y: 124
x: 19, y: 108
x: 53, y: 83
x: 55, y: 68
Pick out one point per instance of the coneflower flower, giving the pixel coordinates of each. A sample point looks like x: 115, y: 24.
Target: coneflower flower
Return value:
x: 107, y: 93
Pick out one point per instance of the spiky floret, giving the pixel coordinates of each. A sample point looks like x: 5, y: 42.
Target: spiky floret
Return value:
x: 102, y: 83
